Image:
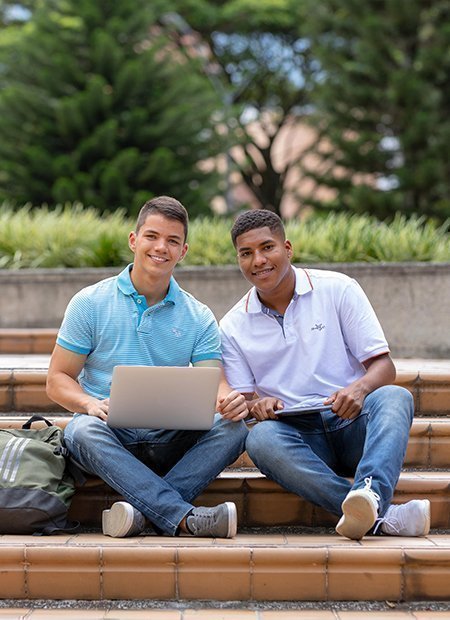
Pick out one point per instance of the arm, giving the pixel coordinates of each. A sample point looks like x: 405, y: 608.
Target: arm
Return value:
x: 64, y: 389
x: 347, y: 403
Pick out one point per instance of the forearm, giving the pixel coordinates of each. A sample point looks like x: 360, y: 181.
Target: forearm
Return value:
x: 380, y: 371
x: 224, y: 389
x: 68, y: 393
x: 230, y: 403
x: 347, y: 402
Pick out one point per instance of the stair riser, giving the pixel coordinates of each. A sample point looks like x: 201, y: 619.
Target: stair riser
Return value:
x: 244, y: 573
x: 23, y: 341
x: 25, y: 391
x: 428, y: 445
x: 261, y: 502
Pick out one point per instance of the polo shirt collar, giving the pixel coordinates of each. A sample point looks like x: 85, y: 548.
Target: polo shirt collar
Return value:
x: 125, y: 285
x: 303, y: 285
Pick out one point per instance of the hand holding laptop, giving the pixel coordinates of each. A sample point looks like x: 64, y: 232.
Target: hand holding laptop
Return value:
x: 233, y: 407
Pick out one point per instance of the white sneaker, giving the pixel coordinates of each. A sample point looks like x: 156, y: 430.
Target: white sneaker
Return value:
x: 410, y: 519
x: 360, y: 509
x: 122, y: 520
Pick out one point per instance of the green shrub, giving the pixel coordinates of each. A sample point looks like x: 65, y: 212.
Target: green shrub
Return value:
x: 74, y: 236
x: 68, y: 236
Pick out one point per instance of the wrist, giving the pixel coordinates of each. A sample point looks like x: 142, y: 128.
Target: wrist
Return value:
x: 365, y: 386
x: 87, y: 402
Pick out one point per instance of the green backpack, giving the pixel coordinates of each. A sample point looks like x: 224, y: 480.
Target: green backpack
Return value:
x: 35, y: 485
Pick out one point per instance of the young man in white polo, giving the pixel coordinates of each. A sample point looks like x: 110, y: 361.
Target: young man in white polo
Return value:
x: 142, y: 317
x: 311, y: 338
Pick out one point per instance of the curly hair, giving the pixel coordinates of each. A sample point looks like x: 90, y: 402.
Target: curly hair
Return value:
x: 257, y: 218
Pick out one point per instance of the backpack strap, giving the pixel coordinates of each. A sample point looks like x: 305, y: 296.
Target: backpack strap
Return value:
x: 69, y: 527
x: 35, y: 418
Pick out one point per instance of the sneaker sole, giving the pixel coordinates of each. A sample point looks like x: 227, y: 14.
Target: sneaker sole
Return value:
x: 359, y: 516
x: 426, y: 529
x: 232, y: 520
x: 117, y: 521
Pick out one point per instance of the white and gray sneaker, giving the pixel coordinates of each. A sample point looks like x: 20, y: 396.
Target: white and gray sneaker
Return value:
x: 360, y: 509
x: 217, y: 522
x: 410, y: 519
x: 122, y: 520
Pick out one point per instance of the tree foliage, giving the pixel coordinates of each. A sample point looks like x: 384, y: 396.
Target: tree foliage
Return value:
x: 261, y: 64
x: 97, y: 107
x: 382, y: 104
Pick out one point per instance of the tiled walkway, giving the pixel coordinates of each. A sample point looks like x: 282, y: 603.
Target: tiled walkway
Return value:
x: 212, y: 614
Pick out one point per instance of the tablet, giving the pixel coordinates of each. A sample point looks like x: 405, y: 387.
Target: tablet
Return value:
x: 296, y: 410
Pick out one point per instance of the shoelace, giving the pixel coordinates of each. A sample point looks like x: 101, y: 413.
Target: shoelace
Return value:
x: 368, y: 487
x: 395, y: 522
x: 201, y: 521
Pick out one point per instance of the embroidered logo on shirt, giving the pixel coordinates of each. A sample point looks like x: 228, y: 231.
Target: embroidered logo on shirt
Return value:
x: 176, y: 332
x: 318, y: 326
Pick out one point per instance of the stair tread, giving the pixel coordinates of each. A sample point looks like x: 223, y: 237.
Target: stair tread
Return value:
x: 246, y: 541
x: 404, y: 366
x: 242, y: 569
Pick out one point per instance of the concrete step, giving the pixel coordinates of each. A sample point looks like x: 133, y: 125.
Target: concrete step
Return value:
x: 263, y: 503
x: 213, y: 610
x: 27, y: 340
x: 250, y: 567
x: 428, y: 446
x: 22, y: 384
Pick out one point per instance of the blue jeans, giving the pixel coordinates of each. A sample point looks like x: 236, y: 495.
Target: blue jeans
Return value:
x: 312, y: 455
x: 158, y: 472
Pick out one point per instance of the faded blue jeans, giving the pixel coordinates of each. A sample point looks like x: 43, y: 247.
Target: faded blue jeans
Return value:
x: 158, y: 472
x: 312, y: 455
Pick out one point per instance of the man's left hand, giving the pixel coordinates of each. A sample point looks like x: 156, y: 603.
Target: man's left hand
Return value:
x: 347, y: 403
x: 233, y: 407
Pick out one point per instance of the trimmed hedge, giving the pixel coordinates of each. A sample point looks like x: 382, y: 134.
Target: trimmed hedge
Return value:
x: 75, y: 236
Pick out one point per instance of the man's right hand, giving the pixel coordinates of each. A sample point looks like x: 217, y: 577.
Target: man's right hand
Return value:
x: 98, y: 408
x: 264, y: 408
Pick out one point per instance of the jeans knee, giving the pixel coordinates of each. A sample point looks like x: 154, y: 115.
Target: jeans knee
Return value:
x: 259, y: 438
x: 398, y: 400
x: 238, y: 432
x: 230, y: 436
x: 82, y: 430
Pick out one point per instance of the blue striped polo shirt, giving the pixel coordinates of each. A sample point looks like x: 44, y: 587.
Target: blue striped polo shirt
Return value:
x: 113, y: 325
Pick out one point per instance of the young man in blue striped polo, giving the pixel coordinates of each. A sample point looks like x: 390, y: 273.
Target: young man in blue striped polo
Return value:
x: 137, y: 317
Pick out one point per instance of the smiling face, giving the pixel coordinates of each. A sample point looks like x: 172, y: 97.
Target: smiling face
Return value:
x: 265, y: 261
x: 157, y: 246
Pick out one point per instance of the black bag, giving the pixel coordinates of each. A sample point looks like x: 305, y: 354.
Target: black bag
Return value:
x: 36, y: 486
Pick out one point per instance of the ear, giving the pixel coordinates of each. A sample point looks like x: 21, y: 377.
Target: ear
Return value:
x: 132, y: 241
x: 288, y: 246
x: 183, y: 252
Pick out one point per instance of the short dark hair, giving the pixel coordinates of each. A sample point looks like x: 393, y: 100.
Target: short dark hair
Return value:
x: 257, y: 218
x: 169, y: 207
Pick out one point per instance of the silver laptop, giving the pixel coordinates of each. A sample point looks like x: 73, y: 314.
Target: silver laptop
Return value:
x: 163, y: 397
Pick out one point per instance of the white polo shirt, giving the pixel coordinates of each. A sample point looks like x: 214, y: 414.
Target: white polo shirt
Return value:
x: 329, y: 329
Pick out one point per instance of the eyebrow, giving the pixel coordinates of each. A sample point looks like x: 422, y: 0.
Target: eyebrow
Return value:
x: 242, y: 249
x: 157, y: 232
